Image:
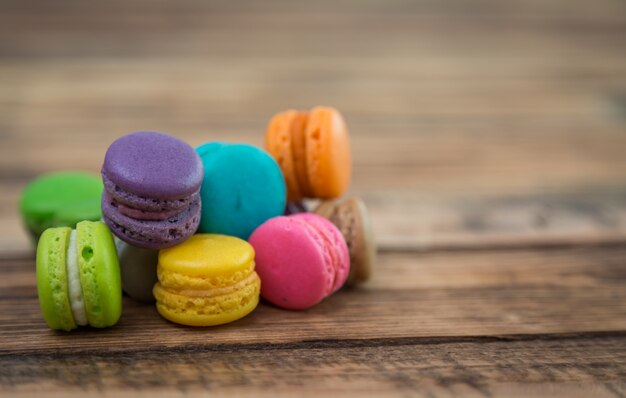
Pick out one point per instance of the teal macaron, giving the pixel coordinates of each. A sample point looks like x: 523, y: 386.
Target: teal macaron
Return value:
x: 78, y: 277
x: 243, y: 187
x: 60, y: 199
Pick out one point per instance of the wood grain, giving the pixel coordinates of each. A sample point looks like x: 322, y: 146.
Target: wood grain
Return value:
x: 465, y: 322
x: 488, y: 143
x: 481, y: 367
x: 441, y: 294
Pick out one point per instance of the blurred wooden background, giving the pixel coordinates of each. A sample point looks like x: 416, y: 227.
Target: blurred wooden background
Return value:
x: 489, y: 142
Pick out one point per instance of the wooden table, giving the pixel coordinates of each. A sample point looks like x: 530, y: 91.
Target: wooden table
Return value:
x: 489, y: 142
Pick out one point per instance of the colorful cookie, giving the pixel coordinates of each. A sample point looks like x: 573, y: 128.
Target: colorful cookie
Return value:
x: 78, y: 277
x: 60, y: 199
x: 313, y: 151
x: 295, y: 207
x: 350, y: 216
x: 242, y: 188
x: 139, y: 270
x: 152, y: 183
x: 301, y: 259
x: 207, y: 280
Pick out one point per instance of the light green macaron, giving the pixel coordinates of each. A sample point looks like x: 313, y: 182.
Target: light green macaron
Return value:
x: 60, y: 199
x: 78, y: 277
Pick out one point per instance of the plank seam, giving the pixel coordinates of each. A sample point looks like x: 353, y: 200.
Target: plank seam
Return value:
x: 327, y: 344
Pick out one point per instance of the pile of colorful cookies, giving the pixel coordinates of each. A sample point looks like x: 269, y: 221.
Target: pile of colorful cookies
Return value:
x: 203, y: 232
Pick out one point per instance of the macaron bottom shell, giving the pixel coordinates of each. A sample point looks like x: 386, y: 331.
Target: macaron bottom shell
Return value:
x: 207, y: 311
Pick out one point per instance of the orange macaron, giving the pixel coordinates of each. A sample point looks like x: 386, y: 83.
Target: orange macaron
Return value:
x: 313, y: 150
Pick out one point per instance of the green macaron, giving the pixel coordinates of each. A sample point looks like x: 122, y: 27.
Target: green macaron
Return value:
x: 78, y: 277
x: 60, y: 199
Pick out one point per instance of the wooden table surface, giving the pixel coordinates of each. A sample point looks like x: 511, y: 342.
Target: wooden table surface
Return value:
x: 489, y: 142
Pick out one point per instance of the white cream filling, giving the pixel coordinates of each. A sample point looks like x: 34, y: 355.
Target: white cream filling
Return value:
x: 73, y: 278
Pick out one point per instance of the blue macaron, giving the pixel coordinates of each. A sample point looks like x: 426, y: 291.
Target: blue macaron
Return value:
x: 242, y: 188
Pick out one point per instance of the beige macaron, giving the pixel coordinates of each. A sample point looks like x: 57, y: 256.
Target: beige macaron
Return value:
x: 351, y: 217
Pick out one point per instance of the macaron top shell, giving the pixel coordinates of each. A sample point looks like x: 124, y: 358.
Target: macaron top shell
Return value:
x: 207, y: 255
x: 242, y: 188
x: 154, y: 165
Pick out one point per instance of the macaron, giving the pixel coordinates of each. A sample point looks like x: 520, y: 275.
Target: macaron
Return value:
x: 78, y: 277
x: 207, y: 280
x: 301, y: 260
x: 243, y: 187
x: 60, y: 199
x: 313, y: 151
x: 138, y: 267
x: 151, y: 193
x: 351, y: 217
x: 295, y: 207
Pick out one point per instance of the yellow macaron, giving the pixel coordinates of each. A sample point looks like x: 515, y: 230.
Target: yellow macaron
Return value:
x: 207, y: 280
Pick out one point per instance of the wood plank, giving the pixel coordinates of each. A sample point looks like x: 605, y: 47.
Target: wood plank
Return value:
x: 488, y: 143
x: 431, y: 221
x: 513, y: 366
x: 471, y: 293
x: 427, y: 222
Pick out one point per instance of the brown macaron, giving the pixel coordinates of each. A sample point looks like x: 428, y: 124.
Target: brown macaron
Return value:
x: 351, y: 217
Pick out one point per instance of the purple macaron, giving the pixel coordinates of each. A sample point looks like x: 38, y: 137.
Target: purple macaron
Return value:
x: 152, y: 182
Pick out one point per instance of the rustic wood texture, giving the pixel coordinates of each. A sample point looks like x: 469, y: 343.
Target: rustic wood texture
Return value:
x: 489, y: 142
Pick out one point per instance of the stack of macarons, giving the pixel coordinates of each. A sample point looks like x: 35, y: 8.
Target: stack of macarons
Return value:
x: 304, y: 257
x: 204, y: 232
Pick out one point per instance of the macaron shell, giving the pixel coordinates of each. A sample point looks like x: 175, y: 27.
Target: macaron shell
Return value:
x: 52, y: 284
x: 292, y: 263
x: 99, y: 273
x: 208, y: 255
x: 295, y: 208
x: 352, y: 219
x: 278, y: 144
x: 364, y: 242
x: 153, y: 165
x: 138, y: 268
x: 60, y: 200
x: 207, y: 311
x: 299, y: 153
x: 329, y: 160
x: 243, y: 187
x: 339, y: 248
x: 326, y: 209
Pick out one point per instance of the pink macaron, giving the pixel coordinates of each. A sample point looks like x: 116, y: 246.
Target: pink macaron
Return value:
x: 301, y: 259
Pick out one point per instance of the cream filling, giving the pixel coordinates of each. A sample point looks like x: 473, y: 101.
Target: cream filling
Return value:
x: 73, y: 278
